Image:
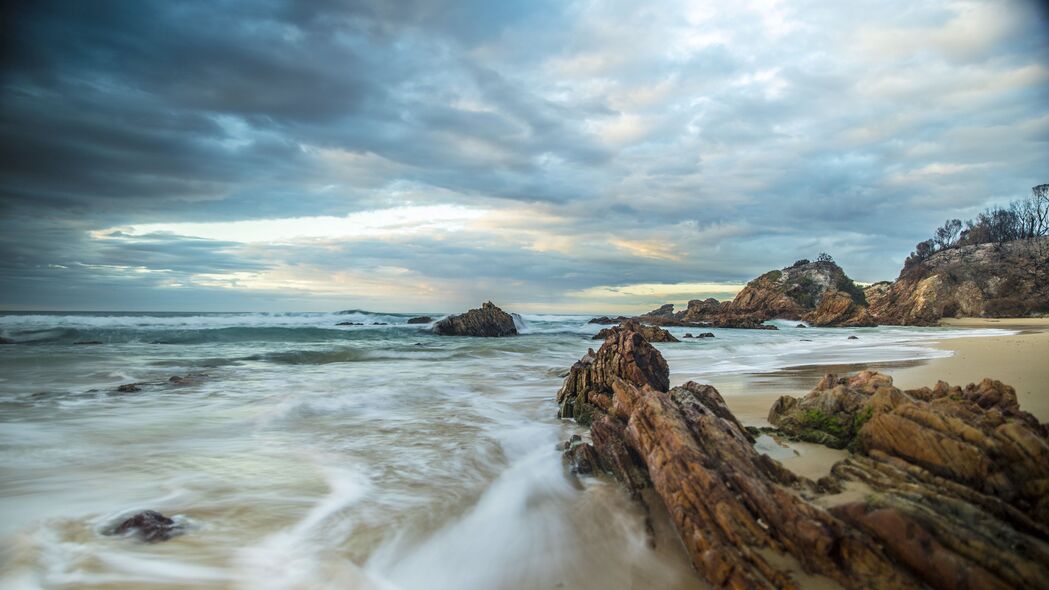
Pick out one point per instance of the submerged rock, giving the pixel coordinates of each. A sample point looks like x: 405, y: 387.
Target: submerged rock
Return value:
x: 149, y: 526
x: 350, y: 324
x: 423, y: 319
x: 129, y: 388
x: 487, y: 321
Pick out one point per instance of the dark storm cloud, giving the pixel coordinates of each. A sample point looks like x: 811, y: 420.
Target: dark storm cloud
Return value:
x: 669, y: 143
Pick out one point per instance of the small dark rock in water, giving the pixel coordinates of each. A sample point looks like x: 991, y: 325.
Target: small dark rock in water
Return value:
x: 423, y: 319
x: 607, y: 320
x: 129, y: 388
x: 688, y: 335
x: 486, y: 321
x: 706, y: 335
x: 150, y: 526
x: 379, y: 324
x: 571, y: 441
x: 805, y: 340
x: 853, y: 338
x: 88, y: 342
x: 801, y: 326
x: 349, y: 324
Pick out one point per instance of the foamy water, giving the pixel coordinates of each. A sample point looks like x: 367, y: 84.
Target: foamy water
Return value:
x: 317, y: 456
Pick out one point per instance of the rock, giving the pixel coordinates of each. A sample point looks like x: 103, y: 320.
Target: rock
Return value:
x: 801, y: 326
x: 666, y: 311
x: 625, y: 354
x: 581, y: 457
x: 688, y: 335
x: 959, y: 480
x: 741, y: 322
x: 380, y: 324
x: 607, y: 320
x: 738, y: 513
x: 706, y: 335
x: 651, y: 333
x: 423, y: 319
x: 149, y: 526
x: 129, y: 388
x: 350, y: 324
x: 853, y: 338
x: 82, y: 342
x: 984, y: 280
x: 838, y: 308
x: 487, y: 321
x: 700, y: 310
x: 818, y: 289
x: 832, y: 413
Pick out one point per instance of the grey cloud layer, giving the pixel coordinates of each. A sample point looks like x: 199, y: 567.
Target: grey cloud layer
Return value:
x: 740, y: 137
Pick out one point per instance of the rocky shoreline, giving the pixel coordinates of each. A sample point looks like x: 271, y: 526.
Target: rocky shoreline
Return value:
x: 954, y: 481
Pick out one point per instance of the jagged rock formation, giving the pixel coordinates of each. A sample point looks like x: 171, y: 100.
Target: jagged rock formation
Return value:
x: 960, y: 479
x: 988, y: 280
x: 832, y: 413
x: 625, y: 354
x: 651, y: 333
x: 838, y: 308
x: 423, y: 319
x: 813, y: 291
x: 487, y: 321
x: 699, y: 309
x: 818, y: 292
x: 666, y: 310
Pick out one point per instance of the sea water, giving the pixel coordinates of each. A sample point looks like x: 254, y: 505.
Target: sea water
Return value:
x: 302, y: 454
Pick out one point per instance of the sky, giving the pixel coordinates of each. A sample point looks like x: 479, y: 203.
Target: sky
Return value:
x: 557, y: 156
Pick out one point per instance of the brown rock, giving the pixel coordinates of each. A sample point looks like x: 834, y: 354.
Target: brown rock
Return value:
x: 423, y: 319
x: 989, y: 280
x: 651, y: 333
x: 624, y: 354
x: 838, y: 308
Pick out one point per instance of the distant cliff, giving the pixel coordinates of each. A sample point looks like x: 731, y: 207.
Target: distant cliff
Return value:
x: 984, y: 280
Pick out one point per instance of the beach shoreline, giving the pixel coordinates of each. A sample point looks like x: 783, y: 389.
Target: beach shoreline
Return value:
x: 1018, y: 359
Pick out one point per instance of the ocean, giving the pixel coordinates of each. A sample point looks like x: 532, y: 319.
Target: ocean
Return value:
x: 301, y: 454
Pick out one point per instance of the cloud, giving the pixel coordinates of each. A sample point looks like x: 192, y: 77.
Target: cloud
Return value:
x: 422, y: 155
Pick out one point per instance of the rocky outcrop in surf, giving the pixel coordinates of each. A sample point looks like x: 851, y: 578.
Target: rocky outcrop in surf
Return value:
x: 983, y: 280
x: 818, y: 292
x: 486, y: 321
x: 423, y: 319
x: 651, y: 333
x: 960, y: 477
x: 149, y: 526
x: 625, y: 354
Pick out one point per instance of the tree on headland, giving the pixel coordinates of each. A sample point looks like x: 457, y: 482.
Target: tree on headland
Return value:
x: 1021, y: 219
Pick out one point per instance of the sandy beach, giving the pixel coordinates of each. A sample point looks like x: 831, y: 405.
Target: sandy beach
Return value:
x: 1020, y: 360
